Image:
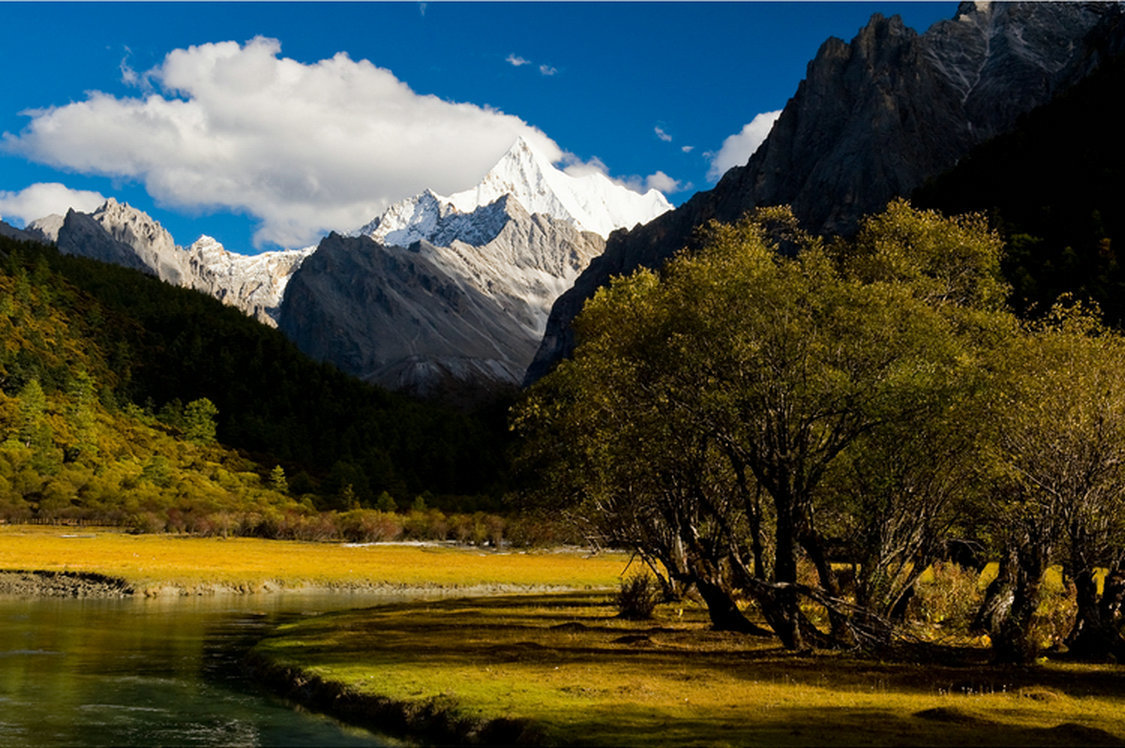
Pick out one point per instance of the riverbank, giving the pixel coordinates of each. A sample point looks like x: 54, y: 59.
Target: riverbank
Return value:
x: 562, y: 669
x: 43, y: 560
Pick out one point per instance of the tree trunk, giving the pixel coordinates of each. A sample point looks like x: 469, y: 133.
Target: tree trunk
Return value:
x: 784, y: 619
x: 841, y: 634
x: 1012, y: 641
x: 724, y: 612
x: 1097, y: 633
x: 997, y: 599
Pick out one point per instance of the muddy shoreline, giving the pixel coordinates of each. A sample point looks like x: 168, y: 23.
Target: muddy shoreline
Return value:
x: 37, y: 583
x: 29, y: 583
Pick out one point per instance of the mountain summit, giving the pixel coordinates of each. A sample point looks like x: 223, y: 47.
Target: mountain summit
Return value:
x: 591, y: 202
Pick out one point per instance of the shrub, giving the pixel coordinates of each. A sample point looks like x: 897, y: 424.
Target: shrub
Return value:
x: 948, y: 596
x: 637, y: 598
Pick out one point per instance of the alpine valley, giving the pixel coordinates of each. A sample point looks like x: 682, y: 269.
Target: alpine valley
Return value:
x: 442, y: 297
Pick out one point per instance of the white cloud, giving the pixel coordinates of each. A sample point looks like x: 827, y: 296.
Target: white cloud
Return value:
x: 659, y: 181
x: 302, y: 147
x: 662, y: 182
x: 128, y: 76
x: 687, y: 148
x: 44, y: 198
x: 738, y: 148
x: 548, y: 70
x: 662, y: 135
x: 516, y: 61
x: 576, y: 168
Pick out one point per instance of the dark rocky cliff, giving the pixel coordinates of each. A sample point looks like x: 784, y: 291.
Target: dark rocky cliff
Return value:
x: 873, y: 120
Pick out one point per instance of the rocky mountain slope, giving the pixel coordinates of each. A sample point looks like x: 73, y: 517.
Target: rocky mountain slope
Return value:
x: 122, y: 235
x: 449, y: 296
x: 873, y: 119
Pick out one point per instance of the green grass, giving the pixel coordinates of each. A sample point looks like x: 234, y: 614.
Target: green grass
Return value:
x: 567, y: 665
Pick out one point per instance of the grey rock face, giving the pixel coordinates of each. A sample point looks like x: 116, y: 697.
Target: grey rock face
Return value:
x: 431, y: 319
x: 122, y: 235
x: 47, y: 229
x: 82, y: 235
x: 873, y: 120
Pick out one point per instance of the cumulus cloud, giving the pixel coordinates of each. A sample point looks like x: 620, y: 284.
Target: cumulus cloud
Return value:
x: 303, y: 147
x: 516, y: 61
x: 687, y: 148
x: 738, y: 148
x: 662, y: 182
x: 548, y: 70
x: 44, y: 198
x: 661, y: 134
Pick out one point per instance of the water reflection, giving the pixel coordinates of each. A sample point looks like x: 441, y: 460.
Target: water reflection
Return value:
x: 162, y: 671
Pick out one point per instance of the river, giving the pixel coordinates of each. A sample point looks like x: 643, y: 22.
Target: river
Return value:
x: 157, y: 671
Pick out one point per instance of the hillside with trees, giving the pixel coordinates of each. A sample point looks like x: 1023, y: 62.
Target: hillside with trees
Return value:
x: 111, y: 380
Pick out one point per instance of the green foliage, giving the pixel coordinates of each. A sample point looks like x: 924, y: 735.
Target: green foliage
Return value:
x: 278, y: 482
x: 199, y: 421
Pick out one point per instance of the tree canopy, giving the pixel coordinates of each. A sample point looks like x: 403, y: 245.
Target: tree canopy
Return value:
x: 770, y: 403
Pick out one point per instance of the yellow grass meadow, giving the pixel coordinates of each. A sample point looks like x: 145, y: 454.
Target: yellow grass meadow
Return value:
x: 574, y: 673
x: 162, y: 563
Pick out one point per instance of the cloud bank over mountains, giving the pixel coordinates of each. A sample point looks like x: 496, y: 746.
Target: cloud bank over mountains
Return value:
x: 304, y: 148
x: 45, y: 198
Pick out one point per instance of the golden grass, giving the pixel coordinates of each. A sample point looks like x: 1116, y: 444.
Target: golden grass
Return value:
x: 153, y: 562
x: 567, y: 665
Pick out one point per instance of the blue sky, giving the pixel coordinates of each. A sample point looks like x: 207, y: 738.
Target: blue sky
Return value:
x: 285, y: 132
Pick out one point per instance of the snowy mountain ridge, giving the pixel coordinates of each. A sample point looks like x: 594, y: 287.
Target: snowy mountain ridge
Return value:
x: 591, y: 202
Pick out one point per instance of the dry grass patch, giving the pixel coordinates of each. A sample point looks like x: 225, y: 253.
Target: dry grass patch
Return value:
x: 162, y: 562
x: 568, y: 666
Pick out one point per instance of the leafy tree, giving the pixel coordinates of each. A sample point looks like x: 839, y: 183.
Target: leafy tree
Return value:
x: 199, y: 421
x: 33, y: 428
x: 706, y: 409
x: 1058, y: 477
x: 278, y: 482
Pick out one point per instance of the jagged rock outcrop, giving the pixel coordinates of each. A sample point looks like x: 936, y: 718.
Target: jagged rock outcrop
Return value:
x: 122, y: 235
x: 83, y: 235
x: 872, y: 120
x: 46, y: 229
x: 453, y: 320
x: 253, y: 283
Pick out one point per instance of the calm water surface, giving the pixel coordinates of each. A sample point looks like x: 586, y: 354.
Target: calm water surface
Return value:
x: 161, y: 671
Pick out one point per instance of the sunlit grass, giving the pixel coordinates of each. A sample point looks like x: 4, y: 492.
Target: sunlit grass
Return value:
x: 152, y: 562
x: 569, y: 666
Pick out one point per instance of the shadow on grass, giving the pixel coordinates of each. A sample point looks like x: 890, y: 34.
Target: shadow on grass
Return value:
x: 554, y: 630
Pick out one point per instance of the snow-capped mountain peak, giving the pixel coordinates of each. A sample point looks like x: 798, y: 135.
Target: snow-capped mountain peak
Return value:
x: 591, y: 202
